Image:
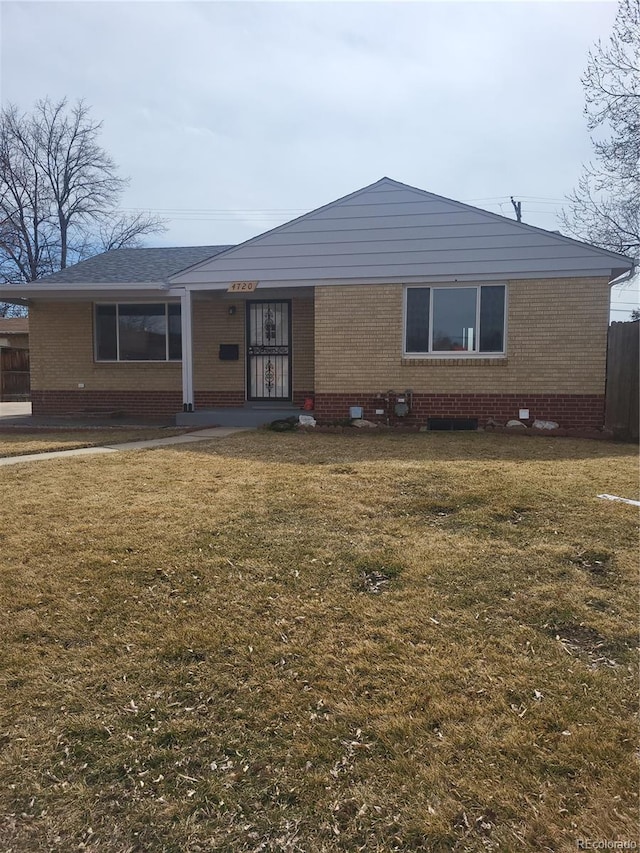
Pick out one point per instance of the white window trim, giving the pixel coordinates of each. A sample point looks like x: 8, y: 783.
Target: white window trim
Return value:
x: 118, y: 360
x: 453, y: 354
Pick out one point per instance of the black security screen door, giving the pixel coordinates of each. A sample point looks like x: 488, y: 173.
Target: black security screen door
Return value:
x: 269, y: 350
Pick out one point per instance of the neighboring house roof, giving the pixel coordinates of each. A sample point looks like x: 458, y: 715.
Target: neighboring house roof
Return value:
x: 14, y: 326
x: 133, y: 265
x: 392, y: 232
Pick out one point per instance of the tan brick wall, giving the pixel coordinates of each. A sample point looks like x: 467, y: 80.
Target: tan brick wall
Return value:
x: 302, y: 333
x: 61, y: 351
x: 556, y: 342
x: 213, y: 326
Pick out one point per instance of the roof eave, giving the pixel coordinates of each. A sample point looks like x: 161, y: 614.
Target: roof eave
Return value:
x: 263, y: 284
x: 22, y: 293
x: 622, y: 275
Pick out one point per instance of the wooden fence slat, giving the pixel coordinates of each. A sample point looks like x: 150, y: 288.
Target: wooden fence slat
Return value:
x: 14, y: 374
x: 623, y: 380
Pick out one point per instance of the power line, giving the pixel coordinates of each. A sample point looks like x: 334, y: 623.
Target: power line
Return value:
x: 544, y: 199
x: 493, y: 201
x: 215, y: 210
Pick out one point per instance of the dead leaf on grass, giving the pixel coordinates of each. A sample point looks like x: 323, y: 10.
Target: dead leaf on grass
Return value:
x: 374, y: 582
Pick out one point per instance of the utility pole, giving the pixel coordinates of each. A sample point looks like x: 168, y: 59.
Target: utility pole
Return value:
x: 517, y: 206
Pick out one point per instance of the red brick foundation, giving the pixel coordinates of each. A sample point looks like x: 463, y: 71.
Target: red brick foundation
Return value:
x: 569, y: 410
x: 218, y: 399
x: 224, y: 399
x: 148, y: 404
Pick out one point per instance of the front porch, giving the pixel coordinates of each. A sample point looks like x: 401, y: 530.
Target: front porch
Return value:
x: 247, y: 360
x: 248, y: 415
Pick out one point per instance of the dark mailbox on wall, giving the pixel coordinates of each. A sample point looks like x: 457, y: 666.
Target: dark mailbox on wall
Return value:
x: 229, y: 352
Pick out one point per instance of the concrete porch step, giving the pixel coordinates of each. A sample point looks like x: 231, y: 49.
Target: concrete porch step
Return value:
x: 247, y: 416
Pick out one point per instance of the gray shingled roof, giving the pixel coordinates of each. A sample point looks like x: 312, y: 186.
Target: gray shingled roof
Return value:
x: 133, y: 265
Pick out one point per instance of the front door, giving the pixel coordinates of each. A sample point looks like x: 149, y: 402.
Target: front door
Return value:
x: 269, y: 350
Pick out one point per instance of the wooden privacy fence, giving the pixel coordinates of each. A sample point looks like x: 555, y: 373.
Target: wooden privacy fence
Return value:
x: 14, y: 374
x: 623, y: 354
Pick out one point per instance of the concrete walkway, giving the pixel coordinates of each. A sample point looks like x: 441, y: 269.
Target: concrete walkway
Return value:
x: 14, y: 410
x: 189, y: 438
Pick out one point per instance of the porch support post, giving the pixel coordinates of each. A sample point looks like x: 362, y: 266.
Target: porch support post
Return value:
x: 187, y: 352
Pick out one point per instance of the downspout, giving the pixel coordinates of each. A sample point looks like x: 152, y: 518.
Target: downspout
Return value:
x: 626, y: 276
x: 187, y: 351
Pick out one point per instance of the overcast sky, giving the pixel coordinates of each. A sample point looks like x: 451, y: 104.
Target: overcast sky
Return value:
x: 232, y: 117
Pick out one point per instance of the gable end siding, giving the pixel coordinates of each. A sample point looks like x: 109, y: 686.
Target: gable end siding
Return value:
x: 388, y: 232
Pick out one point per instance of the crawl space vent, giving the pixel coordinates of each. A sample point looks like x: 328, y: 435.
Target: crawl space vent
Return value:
x: 452, y: 423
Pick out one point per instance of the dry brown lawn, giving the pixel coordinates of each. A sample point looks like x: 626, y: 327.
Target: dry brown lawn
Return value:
x: 293, y: 642
x: 19, y: 442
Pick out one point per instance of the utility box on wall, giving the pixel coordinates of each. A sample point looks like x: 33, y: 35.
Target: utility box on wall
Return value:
x: 229, y: 352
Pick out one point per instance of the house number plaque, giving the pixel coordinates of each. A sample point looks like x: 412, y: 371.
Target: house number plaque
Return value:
x: 242, y: 287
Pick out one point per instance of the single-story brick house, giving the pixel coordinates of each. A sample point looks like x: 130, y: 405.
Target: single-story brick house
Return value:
x: 388, y: 293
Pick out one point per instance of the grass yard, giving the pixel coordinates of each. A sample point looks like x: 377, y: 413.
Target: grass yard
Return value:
x: 40, y: 441
x: 298, y: 642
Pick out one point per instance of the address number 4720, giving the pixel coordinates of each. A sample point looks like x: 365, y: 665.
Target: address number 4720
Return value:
x: 242, y: 286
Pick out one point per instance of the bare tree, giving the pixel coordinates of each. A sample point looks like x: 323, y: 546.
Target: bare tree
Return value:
x: 604, y: 209
x: 25, y: 204
x: 126, y: 230
x: 59, y: 192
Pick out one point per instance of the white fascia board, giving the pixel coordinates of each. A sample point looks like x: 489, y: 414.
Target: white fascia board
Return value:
x: 87, y: 291
x: 319, y: 282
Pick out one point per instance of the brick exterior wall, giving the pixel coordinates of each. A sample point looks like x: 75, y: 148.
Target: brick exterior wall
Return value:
x: 219, y: 399
x: 225, y: 381
x: 212, y: 326
x: 302, y: 332
x: 556, y: 343
x: 569, y: 410
x: 146, y: 404
x: 62, y: 357
x: 555, y: 363
x: 347, y: 347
